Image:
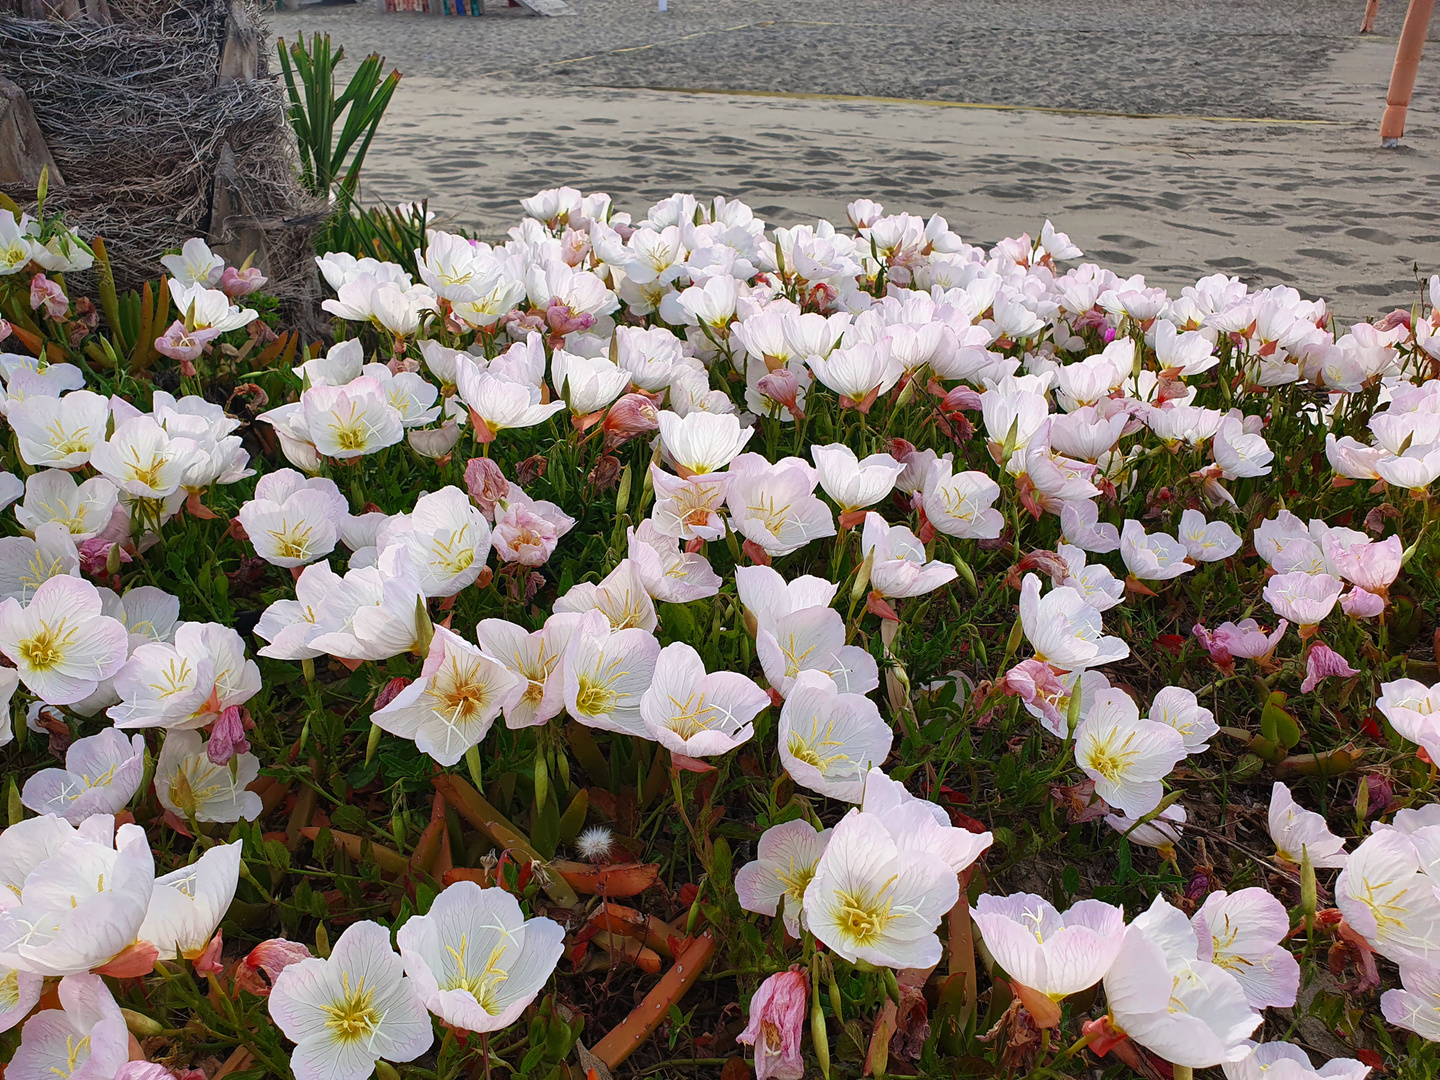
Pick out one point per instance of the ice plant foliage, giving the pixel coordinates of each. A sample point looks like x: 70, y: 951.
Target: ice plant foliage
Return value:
x: 874, y: 617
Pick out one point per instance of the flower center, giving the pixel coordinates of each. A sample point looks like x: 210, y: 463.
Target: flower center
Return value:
x: 354, y: 1015
x: 862, y: 918
x: 46, y: 649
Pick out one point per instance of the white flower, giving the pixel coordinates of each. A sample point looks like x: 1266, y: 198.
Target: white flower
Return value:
x: 1178, y: 708
x: 83, y: 895
x: 1159, y: 992
x: 1039, y: 948
x: 377, y: 609
x: 53, y: 495
x: 453, y: 703
x: 19, y: 993
x: 1152, y: 556
x: 588, y: 384
x: 1064, y: 630
x: 962, y: 504
x: 61, y: 643
x: 539, y: 693
x: 101, y: 774
x: 1243, y: 932
x: 872, y: 900
x: 16, y: 249
x: 829, y: 740
x: 1206, y: 541
x: 475, y: 960
x: 448, y: 539
x: 769, y: 598
x: 1295, y: 830
x: 187, y: 684
x: 648, y: 354
x: 621, y: 597
x: 852, y: 482
x: 1388, y: 900
x: 188, y: 904
x: 85, y: 1038
x: 457, y: 269
x: 196, y: 263
x: 669, y: 574
x: 689, y: 508
x: 409, y: 393
x: 697, y: 714
x: 920, y: 825
x: 899, y: 567
x: 606, y: 673
x: 774, y: 506
x: 348, y: 1011
x: 203, y: 308
x: 813, y: 639
x: 59, y: 432
x: 26, y: 564
x: 785, y: 860
x: 1416, y: 1007
x: 190, y: 785
x: 860, y: 373
x: 1126, y: 757
x: 352, y: 420
x: 501, y: 402
x: 702, y: 442
x: 292, y: 533
x: 1285, y: 1061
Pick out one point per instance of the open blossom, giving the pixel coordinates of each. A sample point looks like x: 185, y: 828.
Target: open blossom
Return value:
x: 1160, y: 993
x: 854, y: 483
x: 919, y: 824
x: 899, y: 567
x: 1389, y: 900
x: 84, y: 508
x: 353, y: 420
x: 453, y: 703
x: 1415, y: 1007
x: 813, y: 639
x: 188, y: 904
x: 527, y: 530
x: 188, y: 684
x: 701, y: 442
x: 828, y: 739
x: 61, y: 643
x: 1206, y: 541
x: 59, y: 432
x: 83, y: 893
x: 195, y: 263
x: 689, y: 508
x: 295, y: 532
x: 377, y: 610
x: 667, y: 572
x: 872, y: 899
x: 774, y: 506
x: 534, y: 658
x: 1302, y: 598
x: 768, y: 597
x: 778, y: 1012
x: 1243, y: 932
x: 499, y: 403
x: 1413, y: 710
x: 1152, y: 556
x: 1064, y: 630
x: 785, y: 859
x: 102, y: 772
x: 190, y: 785
x: 448, y: 540
x: 1051, y: 954
x: 1244, y: 639
x: 1296, y: 831
x: 1178, y: 708
x: 346, y: 1012
x: 621, y: 596
x: 475, y: 960
x: 606, y: 674
x: 962, y: 504
x: 86, y: 1035
x: 1369, y: 565
x: 1126, y: 756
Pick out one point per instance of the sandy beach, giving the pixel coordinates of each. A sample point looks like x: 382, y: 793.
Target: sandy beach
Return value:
x: 1211, y: 136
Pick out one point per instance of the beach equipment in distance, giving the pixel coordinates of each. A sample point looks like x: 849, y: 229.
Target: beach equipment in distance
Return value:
x: 1402, y: 77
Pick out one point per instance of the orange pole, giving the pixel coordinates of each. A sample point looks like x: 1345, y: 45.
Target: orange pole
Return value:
x: 1402, y: 78
x: 1372, y: 8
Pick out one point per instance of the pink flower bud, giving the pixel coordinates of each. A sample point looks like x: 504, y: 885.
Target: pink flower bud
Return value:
x: 778, y: 1013
x: 209, y: 962
x: 632, y: 415
x: 4, y: 329
x: 237, y: 283
x: 783, y: 386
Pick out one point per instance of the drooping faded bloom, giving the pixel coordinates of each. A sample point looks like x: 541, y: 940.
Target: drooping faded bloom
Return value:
x: 778, y: 1013
x: 349, y: 1011
x: 453, y: 703
x: 696, y: 714
x: 828, y: 739
x: 784, y: 863
x: 1243, y: 932
x: 475, y: 960
x: 873, y: 900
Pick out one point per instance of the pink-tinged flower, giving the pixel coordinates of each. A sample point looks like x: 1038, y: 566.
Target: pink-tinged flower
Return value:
x: 1050, y: 954
x: 1244, y: 932
x: 227, y: 737
x: 1413, y: 710
x: 1178, y: 708
x: 190, y: 786
x: 347, y: 1012
x: 1207, y: 541
x: 1353, y: 459
x: 631, y: 416
x: 1359, y: 604
x: 1035, y: 683
x: 621, y: 596
x: 899, y: 567
x: 1285, y: 1061
x: 1303, y: 598
x: 606, y: 672
x: 828, y: 739
x: 102, y: 772
x: 535, y: 659
x: 697, y: 714
x: 768, y: 597
x: 1244, y: 639
x: 1126, y: 756
x: 486, y: 483
x: 86, y: 1036
x: 1164, y: 997
x: 782, y: 386
x: 527, y: 530
x: 264, y: 963
x: 784, y: 863
x: 188, y: 904
x: 689, y: 508
x: 669, y: 574
x: 778, y: 1012
x: 62, y: 644
x: 813, y: 639
x: 773, y: 506
x: 475, y: 960
x: 1295, y: 831
x: 237, y: 283
x: 920, y: 826
x: 1321, y: 663
x: 1152, y: 556
x: 1064, y: 630
x: 962, y: 504
x: 49, y: 295
x: 1389, y: 900
x: 1416, y: 1007
x: 874, y: 899
x: 184, y: 345
x: 1081, y: 526
x: 4, y: 330
x: 1369, y: 565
